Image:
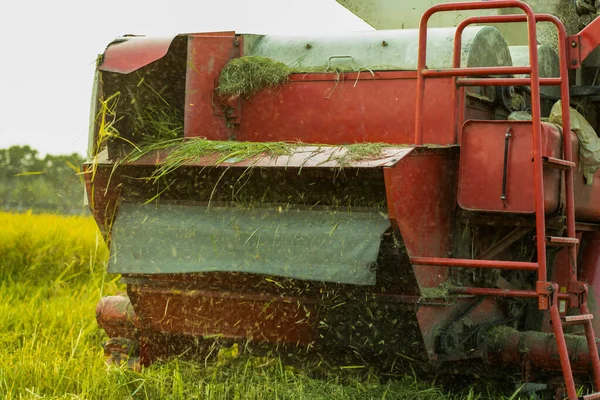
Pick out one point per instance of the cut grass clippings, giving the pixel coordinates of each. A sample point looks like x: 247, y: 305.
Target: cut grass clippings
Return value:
x: 248, y: 75
x: 189, y: 151
x: 184, y: 151
x: 245, y: 76
x: 51, y: 278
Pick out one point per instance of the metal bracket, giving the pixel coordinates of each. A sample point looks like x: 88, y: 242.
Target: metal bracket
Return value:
x: 582, y: 44
x: 577, y: 291
x: 574, y: 45
x: 547, y: 293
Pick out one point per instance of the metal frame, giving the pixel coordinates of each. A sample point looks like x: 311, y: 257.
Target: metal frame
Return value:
x: 582, y: 44
x: 546, y: 292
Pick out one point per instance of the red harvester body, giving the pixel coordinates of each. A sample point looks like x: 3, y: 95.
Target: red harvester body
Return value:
x: 467, y: 236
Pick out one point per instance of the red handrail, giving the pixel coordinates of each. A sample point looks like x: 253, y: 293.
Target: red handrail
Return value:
x: 565, y: 97
x: 465, y: 6
x: 535, y: 95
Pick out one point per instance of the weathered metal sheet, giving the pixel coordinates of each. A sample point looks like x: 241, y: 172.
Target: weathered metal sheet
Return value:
x: 384, y: 50
x: 130, y: 53
x: 329, y: 246
x: 299, y: 157
x: 328, y: 157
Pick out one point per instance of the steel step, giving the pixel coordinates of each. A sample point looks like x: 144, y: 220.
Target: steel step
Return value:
x: 561, y: 241
x: 558, y: 163
x: 576, y: 319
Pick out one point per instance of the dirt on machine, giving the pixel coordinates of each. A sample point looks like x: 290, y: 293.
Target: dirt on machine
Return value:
x: 425, y: 191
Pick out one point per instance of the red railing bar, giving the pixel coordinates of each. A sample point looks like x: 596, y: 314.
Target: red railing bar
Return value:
x: 531, y: 19
x: 507, y: 82
x: 466, y: 263
x: 422, y: 59
x: 561, y: 346
x: 523, y: 294
x: 432, y: 73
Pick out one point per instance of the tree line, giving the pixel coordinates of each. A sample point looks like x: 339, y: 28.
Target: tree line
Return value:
x: 42, y: 184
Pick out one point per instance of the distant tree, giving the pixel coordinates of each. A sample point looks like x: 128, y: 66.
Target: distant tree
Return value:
x: 49, y: 184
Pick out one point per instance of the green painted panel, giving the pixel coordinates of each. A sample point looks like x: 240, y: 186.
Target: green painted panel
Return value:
x: 331, y: 246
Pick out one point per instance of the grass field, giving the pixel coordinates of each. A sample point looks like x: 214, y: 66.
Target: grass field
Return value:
x: 51, y: 277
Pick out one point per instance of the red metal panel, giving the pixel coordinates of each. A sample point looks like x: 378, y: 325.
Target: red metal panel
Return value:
x: 131, y: 53
x: 584, y: 43
x: 421, y: 196
x: 227, y: 314
x: 207, y: 55
x: 373, y: 109
x: 482, y: 163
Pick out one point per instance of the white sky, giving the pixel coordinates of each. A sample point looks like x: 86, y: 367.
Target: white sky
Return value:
x: 48, y: 48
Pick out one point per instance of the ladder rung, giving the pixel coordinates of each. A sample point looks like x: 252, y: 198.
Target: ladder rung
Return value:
x: 469, y: 263
x: 591, y: 396
x: 558, y: 163
x: 576, y: 319
x: 561, y: 241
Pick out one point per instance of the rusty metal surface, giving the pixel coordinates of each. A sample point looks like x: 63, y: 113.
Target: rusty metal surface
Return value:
x: 131, y: 53
x: 542, y: 350
x: 330, y: 316
x: 230, y: 315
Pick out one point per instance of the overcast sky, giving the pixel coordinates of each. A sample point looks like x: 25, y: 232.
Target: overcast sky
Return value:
x: 48, y: 48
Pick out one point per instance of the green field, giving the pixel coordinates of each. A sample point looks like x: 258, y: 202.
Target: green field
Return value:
x: 51, y: 277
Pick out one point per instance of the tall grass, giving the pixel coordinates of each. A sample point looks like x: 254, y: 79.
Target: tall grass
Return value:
x: 51, y: 277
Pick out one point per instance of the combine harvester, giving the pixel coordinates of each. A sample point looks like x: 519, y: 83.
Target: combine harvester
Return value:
x: 402, y: 191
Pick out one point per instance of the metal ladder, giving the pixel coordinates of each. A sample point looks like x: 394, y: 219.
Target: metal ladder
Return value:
x: 546, y: 292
